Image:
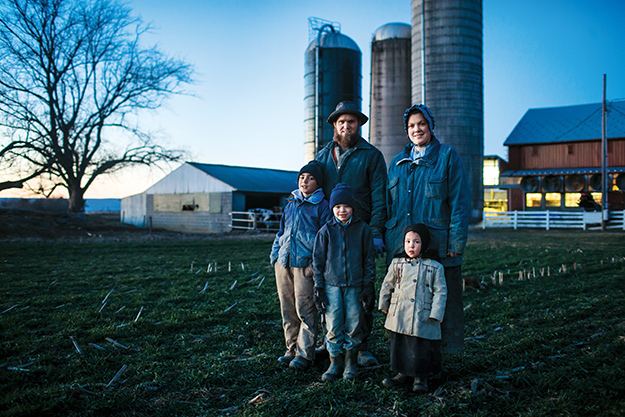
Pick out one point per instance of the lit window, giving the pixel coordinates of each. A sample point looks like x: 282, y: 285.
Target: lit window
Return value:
x: 572, y: 199
x: 553, y: 199
x: 491, y: 175
x: 533, y: 199
x: 597, y: 197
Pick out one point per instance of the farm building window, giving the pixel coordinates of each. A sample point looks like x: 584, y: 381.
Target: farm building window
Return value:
x: 553, y: 199
x: 533, y: 199
x: 571, y: 199
x: 569, y: 149
x: 195, y: 202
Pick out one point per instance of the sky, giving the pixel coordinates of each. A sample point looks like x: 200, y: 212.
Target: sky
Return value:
x: 246, y: 105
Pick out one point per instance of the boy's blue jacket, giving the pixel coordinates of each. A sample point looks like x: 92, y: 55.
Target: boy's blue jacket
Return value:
x: 300, y: 222
x: 433, y: 191
x: 344, y: 256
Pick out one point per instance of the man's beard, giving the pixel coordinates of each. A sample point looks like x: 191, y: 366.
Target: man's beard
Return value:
x: 346, y: 141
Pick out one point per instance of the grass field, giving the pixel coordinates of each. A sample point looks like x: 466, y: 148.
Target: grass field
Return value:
x: 192, y: 328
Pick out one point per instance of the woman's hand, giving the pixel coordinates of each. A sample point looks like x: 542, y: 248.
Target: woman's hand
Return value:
x: 384, y: 311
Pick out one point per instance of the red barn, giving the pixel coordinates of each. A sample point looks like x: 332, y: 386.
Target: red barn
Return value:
x: 554, y: 155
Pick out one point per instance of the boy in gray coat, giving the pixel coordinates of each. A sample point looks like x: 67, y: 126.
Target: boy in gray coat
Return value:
x: 344, y: 273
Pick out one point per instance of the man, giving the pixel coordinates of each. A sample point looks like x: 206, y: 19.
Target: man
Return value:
x: 352, y: 160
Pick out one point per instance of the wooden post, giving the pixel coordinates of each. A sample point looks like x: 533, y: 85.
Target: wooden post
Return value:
x: 604, y: 161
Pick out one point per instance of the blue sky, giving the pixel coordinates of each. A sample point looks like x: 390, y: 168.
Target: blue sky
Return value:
x: 248, y: 107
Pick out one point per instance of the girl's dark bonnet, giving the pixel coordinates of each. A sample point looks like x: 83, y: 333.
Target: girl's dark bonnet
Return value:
x: 422, y: 231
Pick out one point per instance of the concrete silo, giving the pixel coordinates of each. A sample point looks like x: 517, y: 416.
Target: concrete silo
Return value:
x: 333, y: 73
x: 390, y: 88
x: 448, y: 76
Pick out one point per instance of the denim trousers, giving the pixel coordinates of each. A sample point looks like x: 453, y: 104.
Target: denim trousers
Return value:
x: 299, y: 315
x: 343, y: 319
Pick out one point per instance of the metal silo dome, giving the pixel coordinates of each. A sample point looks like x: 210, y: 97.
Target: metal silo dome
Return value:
x: 393, y: 31
x: 339, y: 77
x: 390, y: 87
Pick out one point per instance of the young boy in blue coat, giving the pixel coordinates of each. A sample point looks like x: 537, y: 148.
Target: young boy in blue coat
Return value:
x: 344, y: 273
x: 291, y: 257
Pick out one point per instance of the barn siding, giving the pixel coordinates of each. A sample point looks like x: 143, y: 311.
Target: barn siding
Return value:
x: 565, y: 155
x: 192, y: 221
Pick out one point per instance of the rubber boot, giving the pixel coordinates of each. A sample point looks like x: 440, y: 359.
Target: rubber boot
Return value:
x: 351, y: 364
x: 420, y: 384
x: 366, y: 359
x: 334, y: 371
x: 396, y: 381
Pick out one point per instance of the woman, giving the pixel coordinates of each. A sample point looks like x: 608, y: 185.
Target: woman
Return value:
x: 427, y: 184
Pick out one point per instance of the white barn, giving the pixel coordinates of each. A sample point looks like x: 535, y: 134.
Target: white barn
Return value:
x: 199, y: 198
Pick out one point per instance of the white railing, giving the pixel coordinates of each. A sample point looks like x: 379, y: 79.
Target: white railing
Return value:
x: 245, y: 220
x: 553, y: 219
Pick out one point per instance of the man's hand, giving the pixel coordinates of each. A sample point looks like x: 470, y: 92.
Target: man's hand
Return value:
x: 378, y: 244
x: 367, y: 297
x: 321, y: 299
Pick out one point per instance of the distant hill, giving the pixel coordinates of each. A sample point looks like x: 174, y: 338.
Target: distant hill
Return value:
x: 59, y: 205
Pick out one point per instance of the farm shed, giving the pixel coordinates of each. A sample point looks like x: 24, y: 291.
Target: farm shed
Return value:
x: 200, y: 197
x: 554, y: 155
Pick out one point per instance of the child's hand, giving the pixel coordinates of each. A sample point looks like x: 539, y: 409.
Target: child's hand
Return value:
x: 321, y: 299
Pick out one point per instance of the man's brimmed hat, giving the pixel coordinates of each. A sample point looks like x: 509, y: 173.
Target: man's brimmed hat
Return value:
x: 347, y: 107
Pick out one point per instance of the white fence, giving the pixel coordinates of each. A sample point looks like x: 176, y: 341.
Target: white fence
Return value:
x: 553, y: 219
x: 247, y: 220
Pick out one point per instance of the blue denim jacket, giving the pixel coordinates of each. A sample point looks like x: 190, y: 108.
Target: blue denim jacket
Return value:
x: 300, y: 222
x: 344, y: 256
x: 434, y: 191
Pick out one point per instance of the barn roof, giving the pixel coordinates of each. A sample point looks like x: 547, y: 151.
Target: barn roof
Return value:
x: 249, y: 179
x: 568, y: 124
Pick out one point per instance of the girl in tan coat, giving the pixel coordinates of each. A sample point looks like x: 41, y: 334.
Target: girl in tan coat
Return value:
x: 413, y: 297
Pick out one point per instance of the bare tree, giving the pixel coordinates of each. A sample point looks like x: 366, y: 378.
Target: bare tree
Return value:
x: 74, y: 77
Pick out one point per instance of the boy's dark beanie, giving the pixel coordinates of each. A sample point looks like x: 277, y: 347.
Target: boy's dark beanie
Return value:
x: 342, y: 194
x: 313, y: 168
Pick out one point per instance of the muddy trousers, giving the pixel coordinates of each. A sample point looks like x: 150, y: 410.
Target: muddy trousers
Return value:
x: 299, y: 315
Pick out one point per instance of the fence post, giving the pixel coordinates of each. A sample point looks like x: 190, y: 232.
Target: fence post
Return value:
x: 515, y: 219
x: 547, y: 220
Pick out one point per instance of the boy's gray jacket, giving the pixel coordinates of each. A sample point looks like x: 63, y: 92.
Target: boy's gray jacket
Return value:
x: 300, y: 222
x: 414, y: 292
x: 364, y: 170
x: 344, y: 256
x: 434, y: 191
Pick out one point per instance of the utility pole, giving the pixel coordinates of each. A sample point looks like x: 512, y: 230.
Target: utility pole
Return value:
x: 604, y: 161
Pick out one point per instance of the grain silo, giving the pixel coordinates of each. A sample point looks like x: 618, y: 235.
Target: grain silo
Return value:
x: 390, y: 88
x: 447, y: 75
x: 333, y: 73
